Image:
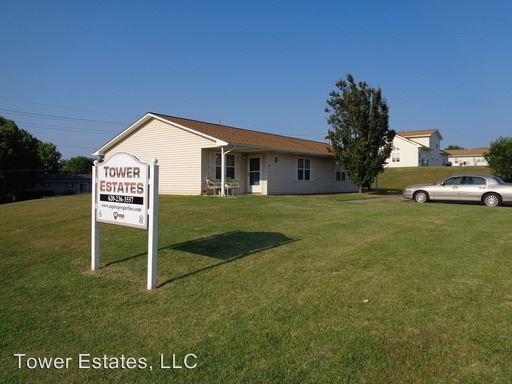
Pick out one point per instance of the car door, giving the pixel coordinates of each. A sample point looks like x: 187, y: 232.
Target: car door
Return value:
x: 448, y: 189
x: 472, y: 188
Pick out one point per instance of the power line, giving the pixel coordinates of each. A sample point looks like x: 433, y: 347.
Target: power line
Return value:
x: 73, y: 131
x: 43, y: 126
x: 42, y: 115
x: 62, y: 107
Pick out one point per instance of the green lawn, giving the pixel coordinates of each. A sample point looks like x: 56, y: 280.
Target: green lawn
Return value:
x: 399, y: 178
x: 264, y: 289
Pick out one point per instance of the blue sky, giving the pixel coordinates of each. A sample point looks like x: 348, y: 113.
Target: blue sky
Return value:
x: 260, y: 65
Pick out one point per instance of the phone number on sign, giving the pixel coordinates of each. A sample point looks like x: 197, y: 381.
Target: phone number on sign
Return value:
x: 122, y: 199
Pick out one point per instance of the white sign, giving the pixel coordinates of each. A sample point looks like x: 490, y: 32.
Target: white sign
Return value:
x: 122, y: 191
x: 125, y: 192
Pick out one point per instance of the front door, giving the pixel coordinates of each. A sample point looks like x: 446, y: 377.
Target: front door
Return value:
x: 449, y: 189
x: 254, y: 175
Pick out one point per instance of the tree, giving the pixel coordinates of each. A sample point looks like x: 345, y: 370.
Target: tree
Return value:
x: 49, y: 156
x: 78, y: 165
x: 499, y: 157
x: 451, y: 146
x: 359, y: 134
x: 19, y: 159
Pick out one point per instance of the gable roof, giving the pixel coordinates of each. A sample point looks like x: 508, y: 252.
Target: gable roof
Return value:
x: 234, y: 135
x: 419, y: 132
x: 227, y: 135
x: 419, y: 145
x: 467, y: 152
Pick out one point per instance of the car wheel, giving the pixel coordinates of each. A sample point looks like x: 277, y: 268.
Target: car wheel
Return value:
x: 492, y: 200
x: 421, y: 197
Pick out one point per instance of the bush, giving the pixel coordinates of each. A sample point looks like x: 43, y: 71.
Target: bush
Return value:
x: 499, y: 157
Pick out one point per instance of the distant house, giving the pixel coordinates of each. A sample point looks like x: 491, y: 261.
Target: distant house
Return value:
x: 467, y: 157
x: 62, y: 184
x: 417, y: 148
x: 191, y: 153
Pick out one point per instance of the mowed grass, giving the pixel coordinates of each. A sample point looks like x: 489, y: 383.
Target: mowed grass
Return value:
x: 399, y: 178
x: 264, y: 289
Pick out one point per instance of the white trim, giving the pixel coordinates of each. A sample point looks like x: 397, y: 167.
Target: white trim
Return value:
x: 310, y: 169
x: 222, y: 171
x: 259, y: 187
x: 144, y: 119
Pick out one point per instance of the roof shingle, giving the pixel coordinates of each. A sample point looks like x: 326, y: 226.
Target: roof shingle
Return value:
x: 420, y: 132
x: 467, y: 152
x: 239, y: 136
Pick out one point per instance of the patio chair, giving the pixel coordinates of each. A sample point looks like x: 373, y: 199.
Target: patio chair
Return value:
x: 212, y: 187
x: 231, y: 186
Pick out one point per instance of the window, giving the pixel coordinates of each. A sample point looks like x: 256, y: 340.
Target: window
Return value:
x: 453, y: 181
x: 468, y: 180
x: 303, y: 169
x: 340, y: 175
x: 69, y: 185
x: 498, y: 180
x: 230, y: 166
x: 395, y: 148
x: 395, y: 157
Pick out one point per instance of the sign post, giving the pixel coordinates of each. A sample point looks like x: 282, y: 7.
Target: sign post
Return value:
x: 95, y: 226
x: 153, y: 225
x: 125, y: 192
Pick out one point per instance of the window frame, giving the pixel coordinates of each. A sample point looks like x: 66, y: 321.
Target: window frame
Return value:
x: 218, y: 166
x: 339, y: 174
x: 302, y: 170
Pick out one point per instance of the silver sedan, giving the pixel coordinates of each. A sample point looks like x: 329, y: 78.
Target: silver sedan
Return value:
x: 487, y: 189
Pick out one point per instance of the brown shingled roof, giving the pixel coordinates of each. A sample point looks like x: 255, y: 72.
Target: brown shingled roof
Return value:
x: 421, y: 132
x: 233, y: 135
x: 467, y: 152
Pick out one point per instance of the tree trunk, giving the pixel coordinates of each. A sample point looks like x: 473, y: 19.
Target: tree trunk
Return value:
x: 360, y: 189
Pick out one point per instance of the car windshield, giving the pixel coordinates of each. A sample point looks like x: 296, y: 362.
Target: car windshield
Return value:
x: 498, y: 180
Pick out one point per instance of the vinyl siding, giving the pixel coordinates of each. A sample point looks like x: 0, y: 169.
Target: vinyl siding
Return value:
x: 408, y: 154
x: 459, y: 161
x: 178, y: 153
x: 281, y: 176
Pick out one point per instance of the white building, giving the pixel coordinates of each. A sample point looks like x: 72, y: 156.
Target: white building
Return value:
x: 417, y: 148
x: 194, y: 154
x: 467, y: 157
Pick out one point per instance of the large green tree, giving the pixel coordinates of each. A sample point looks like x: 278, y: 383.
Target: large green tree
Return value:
x: 499, y: 157
x: 78, y: 165
x: 360, y: 133
x: 19, y: 159
x: 49, y: 156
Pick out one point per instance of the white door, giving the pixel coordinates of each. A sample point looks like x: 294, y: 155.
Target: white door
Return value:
x: 254, y: 175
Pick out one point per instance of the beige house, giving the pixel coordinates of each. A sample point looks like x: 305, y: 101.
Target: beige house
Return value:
x: 190, y: 152
x: 467, y: 157
x: 416, y: 149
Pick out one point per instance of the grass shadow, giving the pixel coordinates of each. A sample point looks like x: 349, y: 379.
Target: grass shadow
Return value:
x: 228, y: 247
